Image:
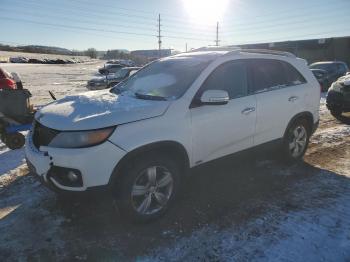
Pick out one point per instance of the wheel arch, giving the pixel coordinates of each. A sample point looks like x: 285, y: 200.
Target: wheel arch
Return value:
x: 302, y: 115
x: 172, y: 148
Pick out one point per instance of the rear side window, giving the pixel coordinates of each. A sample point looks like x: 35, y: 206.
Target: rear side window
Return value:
x: 268, y: 74
x: 231, y: 77
x: 293, y: 75
x: 342, y: 68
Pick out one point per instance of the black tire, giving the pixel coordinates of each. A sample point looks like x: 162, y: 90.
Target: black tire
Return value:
x: 336, y: 112
x: 134, y: 175
x: 294, y: 148
x: 14, y: 141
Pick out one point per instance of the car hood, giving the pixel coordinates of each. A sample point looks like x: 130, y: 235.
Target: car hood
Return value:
x: 97, y: 109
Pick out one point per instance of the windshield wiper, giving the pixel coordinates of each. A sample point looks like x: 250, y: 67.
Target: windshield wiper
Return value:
x: 150, y: 97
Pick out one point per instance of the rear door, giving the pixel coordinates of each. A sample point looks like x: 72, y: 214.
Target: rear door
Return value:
x: 280, y: 94
x: 219, y: 130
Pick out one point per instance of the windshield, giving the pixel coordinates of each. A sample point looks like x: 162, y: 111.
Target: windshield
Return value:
x: 121, y: 73
x: 165, y: 79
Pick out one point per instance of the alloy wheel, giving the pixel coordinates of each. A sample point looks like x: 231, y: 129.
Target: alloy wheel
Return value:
x: 298, y: 141
x: 152, y: 190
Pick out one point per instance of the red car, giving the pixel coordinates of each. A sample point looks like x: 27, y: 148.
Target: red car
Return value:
x: 6, y: 81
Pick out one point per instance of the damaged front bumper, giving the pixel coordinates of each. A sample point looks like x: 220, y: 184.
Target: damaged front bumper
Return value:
x: 93, y: 165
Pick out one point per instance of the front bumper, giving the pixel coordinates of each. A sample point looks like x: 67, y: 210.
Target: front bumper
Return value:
x: 96, y: 86
x: 96, y: 164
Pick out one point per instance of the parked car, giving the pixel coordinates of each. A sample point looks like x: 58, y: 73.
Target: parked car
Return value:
x: 122, y: 62
x: 18, y: 59
x: 6, y: 80
x: 110, y: 68
x: 102, y: 82
x: 334, y: 69
x: 338, y: 97
x: 322, y: 78
x: 139, y: 139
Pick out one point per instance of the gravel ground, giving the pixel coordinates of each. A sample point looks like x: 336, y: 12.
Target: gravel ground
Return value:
x: 250, y: 208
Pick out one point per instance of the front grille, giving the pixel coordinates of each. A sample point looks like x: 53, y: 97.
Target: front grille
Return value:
x: 42, y: 135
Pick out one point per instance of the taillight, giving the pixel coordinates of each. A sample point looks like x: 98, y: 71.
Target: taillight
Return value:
x: 9, y: 83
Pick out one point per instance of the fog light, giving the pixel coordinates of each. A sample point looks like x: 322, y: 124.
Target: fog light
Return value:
x: 72, y: 176
x: 66, y: 176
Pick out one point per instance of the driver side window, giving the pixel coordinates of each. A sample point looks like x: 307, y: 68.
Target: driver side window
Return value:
x: 231, y: 77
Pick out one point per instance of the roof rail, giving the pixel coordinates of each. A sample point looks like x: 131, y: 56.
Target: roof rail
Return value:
x: 267, y: 51
x: 234, y: 49
x: 216, y: 48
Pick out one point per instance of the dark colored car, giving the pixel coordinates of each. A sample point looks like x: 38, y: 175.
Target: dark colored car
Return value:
x: 334, y: 69
x: 110, y: 80
x: 6, y: 81
x: 322, y: 78
x: 338, y: 97
x: 110, y: 68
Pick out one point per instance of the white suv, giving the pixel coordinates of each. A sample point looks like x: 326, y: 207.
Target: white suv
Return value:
x: 139, y: 138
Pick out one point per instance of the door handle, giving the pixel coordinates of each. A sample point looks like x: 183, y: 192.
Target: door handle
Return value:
x: 248, y: 110
x: 292, y: 98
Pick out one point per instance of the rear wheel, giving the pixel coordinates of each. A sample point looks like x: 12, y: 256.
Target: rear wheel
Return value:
x: 148, y: 187
x: 296, y: 141
x: 14, y: 141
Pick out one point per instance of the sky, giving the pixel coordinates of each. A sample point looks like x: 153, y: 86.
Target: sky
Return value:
x: 132, y: 24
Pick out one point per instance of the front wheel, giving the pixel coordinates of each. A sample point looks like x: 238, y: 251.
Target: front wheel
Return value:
x: 148, y: 187
x: 296, y: 141
x: 14, y: 141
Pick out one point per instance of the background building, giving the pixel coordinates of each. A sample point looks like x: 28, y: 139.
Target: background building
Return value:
x: 152, y: 53
x: 313, y: 50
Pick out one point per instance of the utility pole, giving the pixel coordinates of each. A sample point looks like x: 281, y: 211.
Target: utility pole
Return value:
x: 186, y: 47
x: 159, y: 38
x: 217, y: 34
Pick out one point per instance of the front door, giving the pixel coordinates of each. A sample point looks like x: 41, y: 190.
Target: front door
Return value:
x: 219, y: 130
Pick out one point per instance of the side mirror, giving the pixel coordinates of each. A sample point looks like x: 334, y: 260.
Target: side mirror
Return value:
x: 214, y: 97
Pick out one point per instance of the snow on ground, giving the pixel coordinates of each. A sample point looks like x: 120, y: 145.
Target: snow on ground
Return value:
x: 62, y: 80
x: 314, y: 234
x: 256, y: 210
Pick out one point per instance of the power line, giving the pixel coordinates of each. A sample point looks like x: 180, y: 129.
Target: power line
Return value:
x: 84, y: 21
x: 96, y: 29
x: 95, y: 13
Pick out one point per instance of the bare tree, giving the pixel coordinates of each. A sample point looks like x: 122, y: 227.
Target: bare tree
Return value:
x: 91, y: 52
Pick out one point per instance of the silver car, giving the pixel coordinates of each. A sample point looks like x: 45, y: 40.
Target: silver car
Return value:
x: 107, y: 81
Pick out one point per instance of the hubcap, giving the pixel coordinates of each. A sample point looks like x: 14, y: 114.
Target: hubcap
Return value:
x: 152, y: 190
x: 297, y: 141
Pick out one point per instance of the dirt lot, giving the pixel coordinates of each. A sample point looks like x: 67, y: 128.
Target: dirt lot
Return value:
x: 242, y: 209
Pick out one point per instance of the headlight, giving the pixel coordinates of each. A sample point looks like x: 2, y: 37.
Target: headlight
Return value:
x: 79, y: 139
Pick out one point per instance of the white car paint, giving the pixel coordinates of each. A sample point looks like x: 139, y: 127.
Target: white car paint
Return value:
x: 98, y: 109
x: 206, y: 132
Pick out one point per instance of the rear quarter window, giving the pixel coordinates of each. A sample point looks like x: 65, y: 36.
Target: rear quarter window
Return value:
x: 294, y: 77
x: 268, y: 74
